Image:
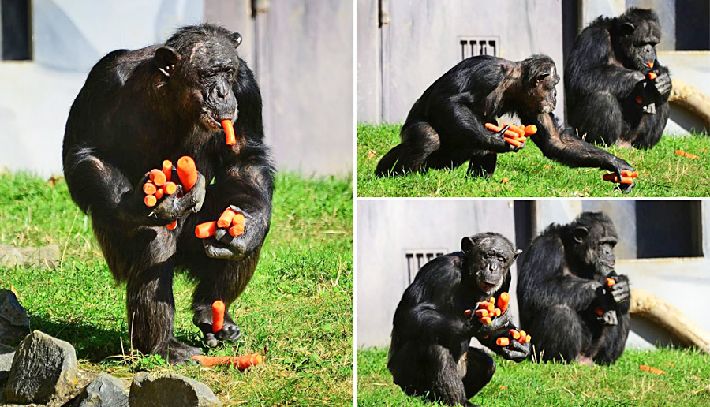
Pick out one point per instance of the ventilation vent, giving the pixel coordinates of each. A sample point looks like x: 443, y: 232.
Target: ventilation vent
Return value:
x: 474, y: 46
x: 415, y: 259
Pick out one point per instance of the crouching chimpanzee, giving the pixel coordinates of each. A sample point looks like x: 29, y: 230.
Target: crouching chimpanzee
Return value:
x: 430, y: 354
x: 563, y: 298
x: 610, y: 96
x: 164, y: 101
x: 445, y: 127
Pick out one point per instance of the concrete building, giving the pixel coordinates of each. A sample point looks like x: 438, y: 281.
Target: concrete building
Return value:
x: 300, y: 51
x: 664, y: 248
x: 404, y: 45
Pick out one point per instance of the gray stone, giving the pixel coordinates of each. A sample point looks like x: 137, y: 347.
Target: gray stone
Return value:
x: 104, y: 391
x: 155, y: 390
x: 14, y: 322
x: 44, y: 256
x: 5, y: 365
x: 43, y: 367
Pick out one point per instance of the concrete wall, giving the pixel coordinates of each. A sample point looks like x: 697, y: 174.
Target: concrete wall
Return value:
x: 387, y: 228
x: 303, y: 63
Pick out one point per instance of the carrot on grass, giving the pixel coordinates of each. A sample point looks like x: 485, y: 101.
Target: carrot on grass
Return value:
x: 187, y: 172
x: 205, y: 229
x: 503, y: 301
x: 229, y: 132
x: 240, y: 362
x: 217, y: 316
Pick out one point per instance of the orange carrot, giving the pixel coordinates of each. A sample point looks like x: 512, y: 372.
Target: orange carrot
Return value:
x: 650, y: 64
x: 497, y: 312
x: 503, y: 302
x: 225, y: 219
x: 652, y: 76
x: 629, y: 173
x: 495, y: 129
x: 157, y: 177
x: 187, y: 172
x: 514, y: 334
x: 599, y: 311
x: 229, y: 132
x: 149, y: 188
x: 217, y: 316
x: 528, y: 338
x: 513, y: 142
x: 522, y: 333
x: 481, y: 313
x: 172, y: 225
x: 502, y: 341
x: 238, y: 225
x: 205, y: 229
x: 159, y: 193
x: 485, y: 320
x: 240, y: 362
x: 520, y: 130
x: 530, y: 130
x: 167, y: 169
x: 610, y: 282
x: 150, y: 200
x: 485, y: 305
x: 170, y: 188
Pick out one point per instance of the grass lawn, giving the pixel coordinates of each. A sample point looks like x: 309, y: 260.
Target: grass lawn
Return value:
x: 298, y: 305
x: 686, y: 382
x: 529, y: 174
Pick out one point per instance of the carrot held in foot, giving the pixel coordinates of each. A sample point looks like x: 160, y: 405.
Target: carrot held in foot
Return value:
x: 218, y: 309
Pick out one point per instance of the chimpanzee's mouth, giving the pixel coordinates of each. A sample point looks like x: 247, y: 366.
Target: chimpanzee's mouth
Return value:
x: 210, y: 121
x: 486, y: 287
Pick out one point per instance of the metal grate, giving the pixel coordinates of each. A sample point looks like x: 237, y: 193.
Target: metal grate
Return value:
x: 415, y: 259
x: 474, y: 46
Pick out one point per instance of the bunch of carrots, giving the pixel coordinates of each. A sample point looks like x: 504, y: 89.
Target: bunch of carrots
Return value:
x: 160, y: 182
x: 230, y: 219
x: 609, y: 283
x: 515, y: 135
x: 651, y: 77
x: 487, y: 310
x: 627, y: 177
x: 515, y: 335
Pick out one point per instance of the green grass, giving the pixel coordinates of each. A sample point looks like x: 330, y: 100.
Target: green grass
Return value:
x: 686, y: 382
x: 529, y: 174
x: 297, y: 305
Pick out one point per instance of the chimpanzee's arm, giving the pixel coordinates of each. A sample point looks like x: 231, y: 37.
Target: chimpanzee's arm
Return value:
x: 561, y: 145
x: 425, y: 320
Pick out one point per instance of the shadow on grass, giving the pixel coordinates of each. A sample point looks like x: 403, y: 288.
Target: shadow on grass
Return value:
x: 91, y: 343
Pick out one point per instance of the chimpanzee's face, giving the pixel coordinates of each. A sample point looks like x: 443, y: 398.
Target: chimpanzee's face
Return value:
x: 488, y: 259
x: 542, y: 95
x: 595, y: 246
x: 637, y: 44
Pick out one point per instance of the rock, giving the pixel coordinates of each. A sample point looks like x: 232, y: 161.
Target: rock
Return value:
x: 44, y: 256
x: 5, y: 365
x: 14, y: 322
x: 42, y: 367
x: 104, y: 391
x: 154, y: 390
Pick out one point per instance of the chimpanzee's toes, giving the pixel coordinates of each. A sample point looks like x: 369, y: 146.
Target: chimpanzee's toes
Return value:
x: 175, y: 351
x: 230, y: 332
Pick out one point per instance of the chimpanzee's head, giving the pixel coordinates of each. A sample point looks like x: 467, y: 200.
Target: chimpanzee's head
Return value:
x: 488, y: 259
x: 539, y: 77
x: 199, y: 65
x: 635, y: 35
x: 590, y: 242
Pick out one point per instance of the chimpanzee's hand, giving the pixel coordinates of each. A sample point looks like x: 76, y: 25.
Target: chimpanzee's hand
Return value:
x: 224, y: 246
x: 516, y: 351
x: 621, y: 291
x: 621, y: 165
x: 512, y: 147
x: 662, y: 83
x: 497, y: 327
x: 178, y: 205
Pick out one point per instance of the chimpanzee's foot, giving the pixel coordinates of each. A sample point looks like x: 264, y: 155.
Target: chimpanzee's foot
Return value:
x: 175, y: 351
x: 203, y: 319
x: 585, y: 360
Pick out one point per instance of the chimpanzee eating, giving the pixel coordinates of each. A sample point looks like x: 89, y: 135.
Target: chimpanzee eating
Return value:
x: 616, y: 90
x: 430, y: 354
x: 565, y: 301
x: 138, y: 108
x: 445, y: 127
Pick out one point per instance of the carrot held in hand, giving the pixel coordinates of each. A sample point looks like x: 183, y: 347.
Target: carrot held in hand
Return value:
x: 168, y: 169
x: 502, y: 341
x: 238, y: 225
x: 187, y: 172
x: 205, y: 229
x: 225, y: 219
x: 530, y: 130
x: 652, y: 76
x: 229, y: 132
x: 610, y: 282
x: 240, y: 362
x: 149, y: 188
x: 218, y: 309
x: 150, y: 200
x: 495, y: 129
x: 503, y: 301
x: 157, y: 177
x: 170, y: 188
x: 172, y: 225
x: 159, y: 193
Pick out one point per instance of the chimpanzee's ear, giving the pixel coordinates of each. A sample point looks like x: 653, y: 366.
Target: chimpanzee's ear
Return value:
x: 236, y: 38
x: 627, y: 28
x: 517, y: 253
x: 466, y: 244
x: 579, y: 234
x: 165, y: 59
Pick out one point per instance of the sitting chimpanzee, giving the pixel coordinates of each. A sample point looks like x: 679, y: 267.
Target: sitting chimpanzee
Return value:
x: 138, y: 108
x: 445, y: 127
x: 430, y: 353
x: 610, y: 96
x: 563, y: 298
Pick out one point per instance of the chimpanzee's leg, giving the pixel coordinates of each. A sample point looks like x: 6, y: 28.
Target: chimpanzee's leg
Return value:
x: 598, y: 118
x: 482, y: 164
x: 558, y: 334
x: 479, y: 371
x: 614, y: 342
x: 419, y: 140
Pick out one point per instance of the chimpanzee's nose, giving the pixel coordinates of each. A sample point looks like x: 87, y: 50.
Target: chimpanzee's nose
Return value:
x: 220, y: 91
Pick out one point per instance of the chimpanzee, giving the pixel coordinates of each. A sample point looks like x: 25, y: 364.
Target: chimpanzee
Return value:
x: 445, y: 127
x: 164, y: 101
x: 610, y: 96
x: 561, y: 287
x: 430, y: 354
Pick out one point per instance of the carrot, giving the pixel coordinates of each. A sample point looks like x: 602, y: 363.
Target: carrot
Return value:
x: 229, y: 132
x: 149, y: 188
x: 170, y: 188
x: 168, y: 169
x: 187, y: 172
x: 497, y: 312
x: 495, y: 129
x: 682, y: 153
x: 629, y: 173
x: 530, y: 130
x: 217, y: 316
x: 157, y: 177
x: 503, y: 301
x: 225, y: 219
x: 238, y: 225
x: 481, y: 313
x: 599, y: 311
x: 652, y: 76
x: 650, y: 64
x: 528, y: 338
x: 485, y: 305
x: 520, y: 130
x: 485, y: 320
x: 610, y: 282
x: 240, y: 362
x: 159, y: 193
x: 522, y: 333
x: 514, y: 334
x: 614, y: 178
x: 513, y: 142
x: 150, y: 200
x: 205, y: 229
x: 172, y: 225
x: 502, y: 341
